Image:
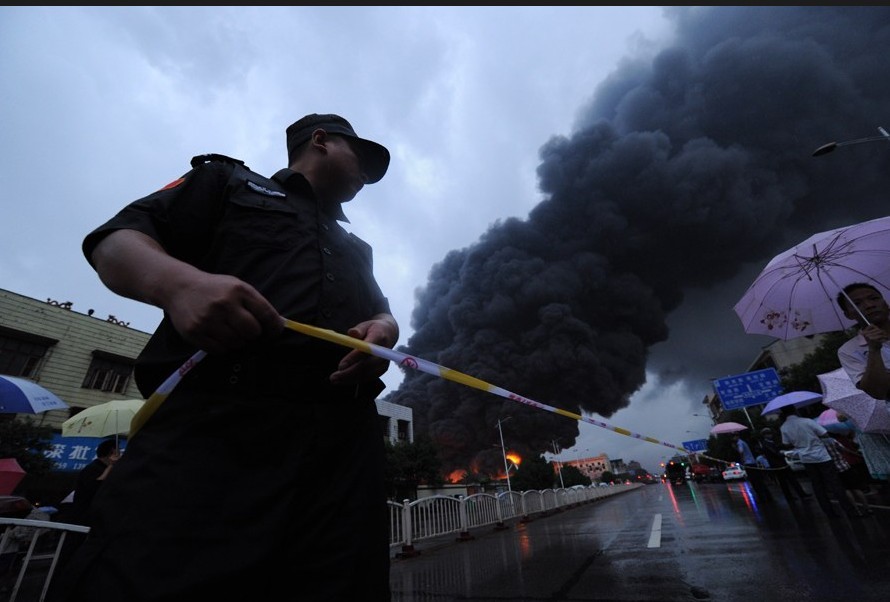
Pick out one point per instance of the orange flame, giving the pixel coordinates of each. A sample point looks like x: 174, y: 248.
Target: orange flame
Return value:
x: 514, y: 457
x: 456, y: 476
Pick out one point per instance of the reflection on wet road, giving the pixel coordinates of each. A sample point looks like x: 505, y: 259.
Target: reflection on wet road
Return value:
x: 713, y: 542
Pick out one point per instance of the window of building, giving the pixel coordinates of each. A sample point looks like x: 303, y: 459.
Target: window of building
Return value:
x: 22, y: 353
x: 402, y: 432
x: 108, y: 372
x: 384, y: 425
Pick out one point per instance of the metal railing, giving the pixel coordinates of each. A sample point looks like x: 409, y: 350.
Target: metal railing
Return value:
x: 437, y: 515
x: 44, y: 540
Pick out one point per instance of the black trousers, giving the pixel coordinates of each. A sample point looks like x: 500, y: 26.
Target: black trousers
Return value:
x: 757, y: 477
x: 826, y: 485
x: 236, y: 497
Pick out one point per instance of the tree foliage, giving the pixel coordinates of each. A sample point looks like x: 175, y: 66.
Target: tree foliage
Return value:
x: 572, y: 476
x: 27, y: 442
x: 803, y: 375
x: 409, y: 465
x: 533, y: 474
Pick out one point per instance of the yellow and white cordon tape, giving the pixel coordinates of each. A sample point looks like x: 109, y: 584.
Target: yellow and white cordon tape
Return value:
x: 402, y: 359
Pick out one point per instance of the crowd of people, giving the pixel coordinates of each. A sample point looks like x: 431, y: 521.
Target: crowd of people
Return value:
x: 844, y: 463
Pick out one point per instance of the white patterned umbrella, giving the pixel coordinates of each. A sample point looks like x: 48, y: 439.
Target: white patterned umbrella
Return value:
x: 869, y: 414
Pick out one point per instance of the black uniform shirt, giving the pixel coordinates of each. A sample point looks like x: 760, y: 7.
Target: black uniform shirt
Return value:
x: 271, y: 233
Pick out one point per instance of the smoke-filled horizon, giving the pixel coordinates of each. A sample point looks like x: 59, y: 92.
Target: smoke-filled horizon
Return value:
x: 685, y: 174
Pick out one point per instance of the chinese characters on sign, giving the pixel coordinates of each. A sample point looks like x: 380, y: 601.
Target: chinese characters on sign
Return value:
x: 73, y: 453
x: 749, y: 389
x: 698, y: 445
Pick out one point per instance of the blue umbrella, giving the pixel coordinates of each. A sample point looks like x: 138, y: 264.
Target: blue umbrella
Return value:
x: 22, y: 396
x: 797, y: 399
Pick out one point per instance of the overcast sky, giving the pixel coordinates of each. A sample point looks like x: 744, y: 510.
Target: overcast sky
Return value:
x: 556, y: 141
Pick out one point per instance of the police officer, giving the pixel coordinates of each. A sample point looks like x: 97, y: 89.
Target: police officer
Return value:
x: 262, y: 471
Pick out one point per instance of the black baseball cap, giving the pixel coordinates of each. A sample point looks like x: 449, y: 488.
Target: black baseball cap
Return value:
x: 373, y: 157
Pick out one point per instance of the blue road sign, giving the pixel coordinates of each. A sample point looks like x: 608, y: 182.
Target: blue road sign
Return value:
x: 748, y: 389
x: 696, y: 446
x: 70, y: 454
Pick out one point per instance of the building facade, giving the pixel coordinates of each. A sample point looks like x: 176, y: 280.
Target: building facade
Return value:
x: 83, y: 359
x: 592, y: 468
x: 86, y: 360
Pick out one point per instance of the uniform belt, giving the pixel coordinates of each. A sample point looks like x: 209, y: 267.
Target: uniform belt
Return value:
x: 249, y: 376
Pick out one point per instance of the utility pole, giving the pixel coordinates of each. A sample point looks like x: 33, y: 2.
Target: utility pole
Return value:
x: 504, y: 451
x: 558, y: 468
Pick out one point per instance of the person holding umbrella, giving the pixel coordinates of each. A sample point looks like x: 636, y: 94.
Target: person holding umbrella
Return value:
x: 805, y: 436
x: 786, y: 478
x: 866, y: 357
x: 753, y: 469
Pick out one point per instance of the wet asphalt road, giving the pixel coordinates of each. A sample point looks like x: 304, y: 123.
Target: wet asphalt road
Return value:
x: 662, y: 543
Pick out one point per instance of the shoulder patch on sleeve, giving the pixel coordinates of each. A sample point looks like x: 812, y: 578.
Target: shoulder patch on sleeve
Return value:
x: 173, y: 184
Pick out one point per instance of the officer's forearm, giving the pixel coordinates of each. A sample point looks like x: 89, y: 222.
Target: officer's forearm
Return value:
x: 136, y: 266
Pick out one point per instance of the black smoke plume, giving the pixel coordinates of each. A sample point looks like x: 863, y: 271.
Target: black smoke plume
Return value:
x: 685, y: 174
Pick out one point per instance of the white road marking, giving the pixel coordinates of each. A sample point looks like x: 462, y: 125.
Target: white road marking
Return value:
x: 655, y: 535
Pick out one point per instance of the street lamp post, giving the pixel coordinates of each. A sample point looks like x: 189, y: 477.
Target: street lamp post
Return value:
x: 504, y: 452
x: 827, y: 148
x: 711, y: 418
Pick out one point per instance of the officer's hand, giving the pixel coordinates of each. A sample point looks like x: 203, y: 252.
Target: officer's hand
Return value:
x: 219, y: 313
x: 358, y: 366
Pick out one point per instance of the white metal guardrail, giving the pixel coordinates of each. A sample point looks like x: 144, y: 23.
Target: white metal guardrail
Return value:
x: 413, y: 521
x: 43, y: 541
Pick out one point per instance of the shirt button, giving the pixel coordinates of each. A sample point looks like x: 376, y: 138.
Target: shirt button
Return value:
x: 325, y: 227
x: 329, y: 276
x: 326, y: 251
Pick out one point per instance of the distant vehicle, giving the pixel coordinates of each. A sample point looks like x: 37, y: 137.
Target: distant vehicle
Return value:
x: 734, y: 472
x: 675, y: 472
x: 700, y: 472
